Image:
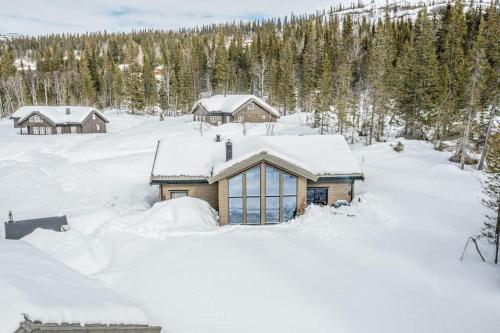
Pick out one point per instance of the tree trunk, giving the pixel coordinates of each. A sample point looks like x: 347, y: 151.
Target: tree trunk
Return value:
x: 371, y: 125
x: 480, y: 165
x: 466, y: 140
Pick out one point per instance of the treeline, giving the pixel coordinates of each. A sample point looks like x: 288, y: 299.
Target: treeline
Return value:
x: 436, y: 76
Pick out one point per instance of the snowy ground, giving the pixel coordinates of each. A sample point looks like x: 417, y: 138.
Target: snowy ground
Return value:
x: 388, y: 263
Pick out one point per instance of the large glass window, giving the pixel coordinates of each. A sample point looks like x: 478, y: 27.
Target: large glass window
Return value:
x: 281, y: 195
x: 272, y: 195
x: 245, y: 196
x: 236, y: 199
x: 289, y: 197
x: 253, y: 195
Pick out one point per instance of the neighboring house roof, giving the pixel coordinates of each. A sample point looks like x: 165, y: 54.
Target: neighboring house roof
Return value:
x: 57, y: 114
x: 21, y: 228
x: 40, y: 286
x: 203, y: 160
x: 231, y: 104
x: 34, y: 327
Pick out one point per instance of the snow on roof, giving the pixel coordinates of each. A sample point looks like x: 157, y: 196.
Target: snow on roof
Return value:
x: 35, y: 284
x: 230, y: 103
x: 202, y: 157
x: 57, y: 114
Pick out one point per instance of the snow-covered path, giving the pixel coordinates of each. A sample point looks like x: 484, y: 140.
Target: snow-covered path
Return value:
x: 387, y: 263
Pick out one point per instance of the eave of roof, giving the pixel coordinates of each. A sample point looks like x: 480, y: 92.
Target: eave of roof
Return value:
x: 260, y: 157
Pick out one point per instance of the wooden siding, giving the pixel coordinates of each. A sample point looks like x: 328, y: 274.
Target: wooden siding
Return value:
x: 89, y: 125
x: 207, y: 192
x: 223, y: 202
x: 336, y: 191
x: 257, y: 115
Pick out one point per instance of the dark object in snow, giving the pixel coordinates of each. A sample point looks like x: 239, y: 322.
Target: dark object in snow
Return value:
x: 340, y: 203
x: 29, y: 326
x: 399, y: 147
x: 456, y: 158
x: 477, y: 248
x: 229, y: 150
x: 21, y: 228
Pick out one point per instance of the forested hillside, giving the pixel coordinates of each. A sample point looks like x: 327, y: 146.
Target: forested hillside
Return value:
x: 434, y: 74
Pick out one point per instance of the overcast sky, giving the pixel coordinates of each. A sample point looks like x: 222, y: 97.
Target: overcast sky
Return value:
x: 36, y: 17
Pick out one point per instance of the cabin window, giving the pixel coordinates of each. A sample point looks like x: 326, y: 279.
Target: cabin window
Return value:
x: 35, y: 119
x: 214, y: 119
x: 272, y: 195
x: 289, y: 197
x: 42, y: 130
x: 253, y: 195
x: 264, y: 117
x: 58, y: 130
x: 35, y: 130
x: 235, y: 191
x: 240, y: 119
x: 97, y: 127
x: 48, y: 130
x: 244, y: 190
x: 93, y: 116
x: 317, y: 196
x: 250, y: 106
x: 73, y: 129
x: 178, y: 194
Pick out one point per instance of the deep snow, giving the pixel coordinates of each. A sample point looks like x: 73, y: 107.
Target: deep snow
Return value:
x: 387, y: 263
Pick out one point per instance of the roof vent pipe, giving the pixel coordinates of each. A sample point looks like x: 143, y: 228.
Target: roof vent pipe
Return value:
x: 229, y: 150
x: 217, y: 137
x: 68, y: 111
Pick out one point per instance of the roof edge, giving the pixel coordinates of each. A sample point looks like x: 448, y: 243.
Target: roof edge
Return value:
x: 259, y: 157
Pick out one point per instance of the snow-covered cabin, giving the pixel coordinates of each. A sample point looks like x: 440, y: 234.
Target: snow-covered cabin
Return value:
x: 257, y: 179
x: 220, y: 109
x: 42, y: 120
x: 41, y: 294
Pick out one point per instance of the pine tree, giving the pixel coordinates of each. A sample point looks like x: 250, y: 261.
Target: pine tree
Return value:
x: 491, y: 228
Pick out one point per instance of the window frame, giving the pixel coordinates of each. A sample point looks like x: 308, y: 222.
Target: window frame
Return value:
x: 250, y: 106
x: 97, y: 127
x: 263, y: 196
x: 35, y: 130
x: 318, y: 188
x: 171, y: 192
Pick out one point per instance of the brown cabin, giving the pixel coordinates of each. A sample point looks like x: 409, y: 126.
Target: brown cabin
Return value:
x: 46, y: 120
x: 260, y: 179
x: 221, y: 109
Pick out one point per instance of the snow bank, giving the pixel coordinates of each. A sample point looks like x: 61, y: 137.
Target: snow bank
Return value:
x: 35, y: 284
x: 178, y: 216
x: 83, y: 253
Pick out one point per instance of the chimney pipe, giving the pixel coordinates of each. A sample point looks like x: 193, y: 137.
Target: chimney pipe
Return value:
x: 229, y: 150
x: 217, y: 137
x: 68, y: 111
x: 11, y: 217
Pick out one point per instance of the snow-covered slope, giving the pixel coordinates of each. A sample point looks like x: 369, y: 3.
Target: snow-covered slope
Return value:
x: 387, y: 263
x: 34, y: 284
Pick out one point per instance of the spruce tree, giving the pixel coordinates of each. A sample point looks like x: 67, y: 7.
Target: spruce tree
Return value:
x: 491, y: 228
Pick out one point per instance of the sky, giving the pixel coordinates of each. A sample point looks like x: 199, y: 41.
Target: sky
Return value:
x: 39, y: 17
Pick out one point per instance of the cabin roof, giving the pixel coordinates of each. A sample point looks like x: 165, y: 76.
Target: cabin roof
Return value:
x: 57, y: 114
x: 231, y: 103
x: 21, y: 228
x: 203, y: 159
